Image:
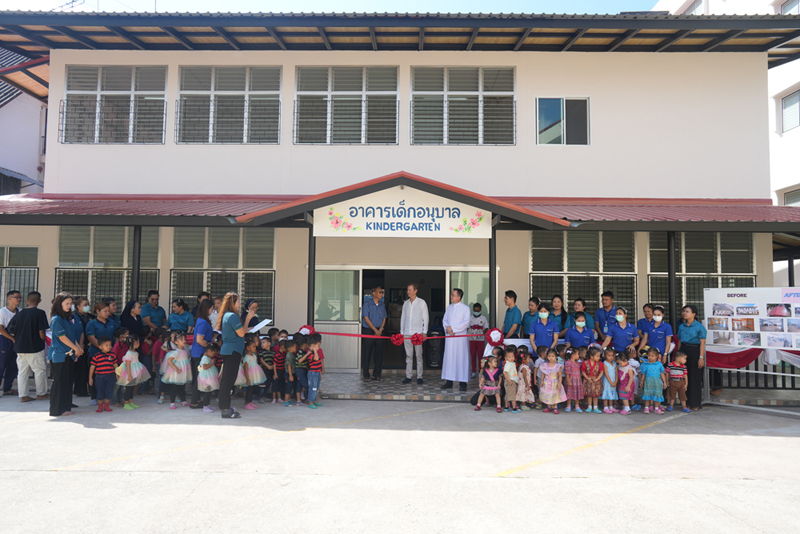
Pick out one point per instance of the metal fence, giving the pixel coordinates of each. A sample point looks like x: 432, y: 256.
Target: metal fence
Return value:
x: 762, y: 376
x: 22, y: 279
x: 586, y: 286
x: 259, y: 285
x: 85, y: 119
x: 97, y: 284
x: 346, y: 121
x: 228, y: 119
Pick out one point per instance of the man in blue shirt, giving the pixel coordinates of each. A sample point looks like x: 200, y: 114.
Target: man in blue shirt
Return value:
x: 604, y: 318
x: 579, y: 335
x: 153, y: 315
x: 373, y: 321
x: 513, y: 318
x: 544, y: 331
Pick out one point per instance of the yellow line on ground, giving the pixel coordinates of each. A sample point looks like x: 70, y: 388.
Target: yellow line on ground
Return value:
x: 224, y: 442
x: 586, y: 446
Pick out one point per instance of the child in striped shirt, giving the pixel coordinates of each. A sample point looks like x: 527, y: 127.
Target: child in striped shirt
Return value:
x: 677, y: 381
x: 316, y: 368
x: 102, y: 374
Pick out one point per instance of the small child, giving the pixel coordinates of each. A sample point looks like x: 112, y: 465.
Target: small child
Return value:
x: 582, y: 353
x: 120, y: 350
x: 510, y: 379
x: 146, y: 357
x: 655, y: 381
x: 289, y: 382
x: 266, y: 358
x: 316, y: 368
x: 132, y: 371
x: 102, y: 374
x: 283, y: 335
x: 301, y: 367
x: 625, y: 382
x: 488, y: 383
x: 279, y: 364
x: 562, y: 350
x: 160, y: 350
x: 633, y: 361
x: 552, y: 390
x: 253, y: 374
x: 541, y: 352
x: 178, y: 373
x: 677, y: 381
x: 572, y: 372
x: 610, y: 381
x: 592, y: 372
x: 525, y: 385
x: 208, y: 376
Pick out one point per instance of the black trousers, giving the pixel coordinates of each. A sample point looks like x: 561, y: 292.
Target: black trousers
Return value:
x: 694, y: 390
x: 175, y: 390
x: 128, y: 393
x: 195, y: 392
x: 81, y: 382
x: 248, y: 394
x: 230, y: 370
x: 61, y: 390
x: 370, y: 347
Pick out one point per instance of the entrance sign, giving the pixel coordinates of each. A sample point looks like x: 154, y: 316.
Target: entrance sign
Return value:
x: 767, y: 317
x: 402, y: 211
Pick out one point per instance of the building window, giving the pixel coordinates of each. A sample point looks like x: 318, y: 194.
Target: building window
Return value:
x: 219, y: 260
x: 702, y: 260
x: 695, y: 8
x: 584, y: 265
x: 9, y: 185
x: 234, y: 105
x: 463, y: 106
x: 19, y: 270
x: 96, y: 261
x: 562, y: 121
x: 792, y: 7
x: 114, y: 105
x: 792, y: 198
x: 790, y: 106
x: 346, y: 106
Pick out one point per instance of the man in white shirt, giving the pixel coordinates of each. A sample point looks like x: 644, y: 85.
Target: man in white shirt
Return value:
x: 414, y: 320
x: 8, y: 358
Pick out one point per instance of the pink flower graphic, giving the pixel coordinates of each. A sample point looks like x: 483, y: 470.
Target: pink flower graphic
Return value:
x: 473, y: 223
x: 460, y: 227
x: 451, y: 228
x: 330, y: 213
x: 479, y: 214
x: 336, y: 223
x: 348, y: 227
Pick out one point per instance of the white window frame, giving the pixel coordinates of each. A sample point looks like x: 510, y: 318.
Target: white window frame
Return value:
x: 480, y: 93
x: 693, y: 7
x: 99, y: 94
x: 783, y: 5
x: 212, y: 93
x: 564, y: 119
x: 781, y: 110
x: 330, y: 93
x: 7, y: 252
x: 564, y: 262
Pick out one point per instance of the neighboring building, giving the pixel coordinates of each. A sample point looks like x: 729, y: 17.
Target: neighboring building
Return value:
x: 784, y: 111
x: 225, y: 137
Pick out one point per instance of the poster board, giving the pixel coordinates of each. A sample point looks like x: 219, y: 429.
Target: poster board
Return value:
x: 762, y: 317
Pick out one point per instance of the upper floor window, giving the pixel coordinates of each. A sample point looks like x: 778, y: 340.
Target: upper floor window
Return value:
x: 563, y: 121
x: 792, y: 198
x: 237, y: 105
x: 792, y: 7
x: 346, y: 105
x: 114, y: 105
x: 790, y: 111
x: 695, y: 8
x: 463, y: 106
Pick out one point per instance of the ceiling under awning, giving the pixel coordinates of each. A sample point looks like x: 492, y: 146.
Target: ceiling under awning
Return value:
x: 31, y: 77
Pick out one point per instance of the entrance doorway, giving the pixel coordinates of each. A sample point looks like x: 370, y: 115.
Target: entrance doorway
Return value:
x: 432, y: 289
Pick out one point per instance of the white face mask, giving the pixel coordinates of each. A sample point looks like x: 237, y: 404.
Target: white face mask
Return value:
x: 620, y: 318
x: 87, y: 309
x: 72, y: 308
x: 544, y: 315
x: 658, y: 318
x: 580, y: 324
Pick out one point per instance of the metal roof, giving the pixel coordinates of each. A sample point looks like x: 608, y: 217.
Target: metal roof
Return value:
x: 29, y: 76
x: 7, y: 59
x: 19, y: 176
x: 35, y: 33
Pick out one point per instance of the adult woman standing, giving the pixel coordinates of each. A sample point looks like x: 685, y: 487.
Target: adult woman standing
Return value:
x: 692, y: 340
x: 100, y: 326
x: 81, y: 382
x: 180, y: 318
x: 560, y: 316
x: 65, y: 349
x: 131, y: 318
x: 231, y: 351
x: 202, y: 337
x: 250, y: 306
x: 112, y: 310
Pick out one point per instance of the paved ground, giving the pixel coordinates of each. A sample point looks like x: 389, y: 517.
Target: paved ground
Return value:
x: 360, y: 466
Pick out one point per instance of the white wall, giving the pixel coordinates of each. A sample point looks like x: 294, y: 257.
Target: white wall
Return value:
x: 20, y: 131
x: 660, y: 123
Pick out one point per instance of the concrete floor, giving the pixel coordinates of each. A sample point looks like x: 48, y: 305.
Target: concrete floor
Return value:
x: 361, y: 466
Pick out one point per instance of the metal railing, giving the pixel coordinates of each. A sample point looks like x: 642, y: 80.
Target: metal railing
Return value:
x: 690, y: 288
x: 85, y: 119
x: 228, y: 119
x: 464, y: 120
x: 22, y: 279
x: 97, y: 284
x: 585, y: 286
x: 754, y: 376
x: 346, y: 121
x: 259, y: 285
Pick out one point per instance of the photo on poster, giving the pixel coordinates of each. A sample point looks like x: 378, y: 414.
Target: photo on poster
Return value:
x: 747, y: 309
x: 750, y: 340
x: 717, y: 323
x: 722, y: 310
x: 743, y: 325
x: 723, y: 338
x: 797, y: 342
x: 779, y: 341
x: 793, y: 325
x: 797, y: 311
x: 770, y: 325
x: 779, y: 310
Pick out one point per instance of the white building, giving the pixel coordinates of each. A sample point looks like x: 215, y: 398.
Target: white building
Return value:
x: 585, y: 142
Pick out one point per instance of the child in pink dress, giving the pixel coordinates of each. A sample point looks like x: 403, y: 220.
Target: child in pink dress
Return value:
x: 572, y: 373
x: 625, y: 383
x: 525, y: 394
x: 551, y: 392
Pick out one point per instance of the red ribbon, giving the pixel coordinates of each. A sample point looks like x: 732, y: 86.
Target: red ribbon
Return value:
x: 310, y: 329
x: 417, y: 339
x: 397, y: 339
x: 420, y: 339
x: 491, y: 342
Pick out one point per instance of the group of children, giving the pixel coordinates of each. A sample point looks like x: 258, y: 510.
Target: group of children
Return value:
x: 285, y: 370
x: 581, y: 378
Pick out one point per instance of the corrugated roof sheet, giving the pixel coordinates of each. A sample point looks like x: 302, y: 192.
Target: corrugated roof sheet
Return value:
x: 667, y: 213
x: 8, y: 59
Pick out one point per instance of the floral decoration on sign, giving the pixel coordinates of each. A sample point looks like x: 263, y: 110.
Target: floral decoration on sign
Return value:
x: 468, y: 224
x: 338, y: 222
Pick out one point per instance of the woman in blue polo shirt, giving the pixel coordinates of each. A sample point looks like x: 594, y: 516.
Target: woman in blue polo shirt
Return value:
x: 231, y: 351
x: 64, y: 350
x: 622, y: 334
x: 202, y: 338
x: 658, y: 334
x: 646, y: 321
x: 180, y: 318
x: 530, y: 316
x: 692, y: 341
x: 579, y: 335
x: 560, y: 316
x: 101, y: 326
x: 544, y: 331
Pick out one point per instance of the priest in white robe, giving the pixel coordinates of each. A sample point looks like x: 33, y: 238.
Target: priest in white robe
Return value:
x: 455, y: 366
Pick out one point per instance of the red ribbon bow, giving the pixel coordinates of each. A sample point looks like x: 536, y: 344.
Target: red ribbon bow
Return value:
x: 397, y: 339
x: 310, y: 329
x: 489, y: 339
x: 417, y: 339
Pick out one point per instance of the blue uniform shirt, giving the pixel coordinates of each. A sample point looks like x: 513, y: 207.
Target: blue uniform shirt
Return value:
x: 180, y: 321
x: 61, y: 327
x: 622, y: 337
x: 643, y: 325
x: 528, y: 319
x: 605, y: 319
x: 201, y: 328
x: 568, y: 320
x: 579, y: 339
x: 98, y: 329
x: 692, y: 334
x: 157, y: 315
x: 513, y: 317
x: 231, y: 341
x: 657, y: 334
x: 589, y: 320
x: 543, y: 334
x: 375, y: 312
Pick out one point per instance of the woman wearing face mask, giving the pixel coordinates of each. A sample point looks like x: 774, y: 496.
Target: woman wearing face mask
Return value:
x: 81, y: 382
x: 622, y: 334
x: 658, y: 334
x: 544, y: 331
x: 579, y: 335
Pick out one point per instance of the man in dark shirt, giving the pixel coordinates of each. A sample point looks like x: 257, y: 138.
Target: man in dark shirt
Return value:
x: 28, y: 328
